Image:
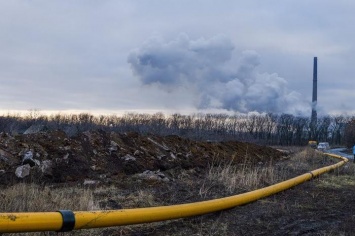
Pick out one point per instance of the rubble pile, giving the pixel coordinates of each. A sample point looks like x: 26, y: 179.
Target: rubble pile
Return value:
x: 95, y: 157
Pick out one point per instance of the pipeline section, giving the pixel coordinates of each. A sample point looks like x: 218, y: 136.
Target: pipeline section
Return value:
x: 66, y: 220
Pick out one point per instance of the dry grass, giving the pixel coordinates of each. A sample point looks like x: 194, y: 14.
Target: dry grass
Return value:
x: 141, y: 198
x: 348, y: 169
x: 31, y: 197
x: 240, y: 178
x: 345, y: 176
x: 247, y: 177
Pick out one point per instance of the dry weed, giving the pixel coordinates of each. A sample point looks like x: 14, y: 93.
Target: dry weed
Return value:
x: 243, y: 177
x: 31, y: 197
x: 141, y: 198
x: 246, y: 177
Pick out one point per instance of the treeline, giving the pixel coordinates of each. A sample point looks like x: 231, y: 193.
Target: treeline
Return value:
x: 270, y: 129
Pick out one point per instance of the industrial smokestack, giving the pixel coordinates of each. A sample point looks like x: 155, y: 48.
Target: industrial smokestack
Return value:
x: 314, y: 94
x: 314, y: 101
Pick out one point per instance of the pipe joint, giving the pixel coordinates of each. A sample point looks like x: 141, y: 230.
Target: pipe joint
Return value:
x: 68, y: 220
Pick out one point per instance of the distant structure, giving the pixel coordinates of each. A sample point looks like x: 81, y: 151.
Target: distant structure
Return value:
x: 314, y: 100
x: 314, y: 94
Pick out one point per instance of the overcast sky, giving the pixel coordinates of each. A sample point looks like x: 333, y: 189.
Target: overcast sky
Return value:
x: 177, y: 56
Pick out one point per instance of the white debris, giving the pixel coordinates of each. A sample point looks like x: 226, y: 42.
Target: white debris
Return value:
x: 113, y: 147
x: 153, y: 175
x: 37, y: 162
x: 46, y: 167
x: 28, y: 155
x: 128, y: 158
x: 23, y: 171
x: 66, y: 156
x: 90, y: 182
x: 163, y: 146
x: 28, y: 159
x: 172, y: 155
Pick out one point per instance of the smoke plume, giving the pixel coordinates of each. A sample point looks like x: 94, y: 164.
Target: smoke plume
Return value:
x: 208, y: 69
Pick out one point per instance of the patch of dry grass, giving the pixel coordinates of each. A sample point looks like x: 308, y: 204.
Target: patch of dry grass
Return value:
x: 348, y: 169
x: 142, y: 198
x: 31, y: 197
x: 305, y: 159
x: 245, y: 177
x: 345, y: 176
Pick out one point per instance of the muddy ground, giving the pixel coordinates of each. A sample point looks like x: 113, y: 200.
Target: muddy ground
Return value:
x: 173, y: 170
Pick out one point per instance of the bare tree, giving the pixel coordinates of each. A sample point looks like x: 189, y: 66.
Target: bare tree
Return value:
x: 349, y: 134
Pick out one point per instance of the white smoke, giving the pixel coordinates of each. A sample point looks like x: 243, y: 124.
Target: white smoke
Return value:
x: 207, y: 68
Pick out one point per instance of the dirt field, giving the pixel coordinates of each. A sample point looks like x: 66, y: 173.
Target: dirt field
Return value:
x: 114, y: 171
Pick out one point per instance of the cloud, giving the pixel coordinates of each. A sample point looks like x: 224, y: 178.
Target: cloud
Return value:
x: 208, y: 69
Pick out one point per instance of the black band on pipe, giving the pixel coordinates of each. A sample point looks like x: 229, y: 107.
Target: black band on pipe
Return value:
x: 68, y: 220
x: 311, y: 174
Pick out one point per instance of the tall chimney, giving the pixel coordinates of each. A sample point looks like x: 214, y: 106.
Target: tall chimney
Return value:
x: 314, y: 99
x: 314, y: 94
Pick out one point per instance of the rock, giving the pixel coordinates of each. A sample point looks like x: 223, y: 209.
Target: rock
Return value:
x: 66, y: 156
x: 161, y: 157
x: 102, y: 176
x: 25, y: 145
x: 113, y: 147
x: 165, y: 157
x: 47, y: 167
x: 161, y: 175
x: 95, y: 167
x: 179, y: 155
x: 153, y: 175
x: 37, y: 162
x: 2, y: 172
x: 28, y: 155
x: 128, y: 158
x: 23, y: 171
x: 28, y: 159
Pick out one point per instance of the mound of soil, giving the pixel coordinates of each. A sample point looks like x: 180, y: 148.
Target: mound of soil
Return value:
x: 55, y: 157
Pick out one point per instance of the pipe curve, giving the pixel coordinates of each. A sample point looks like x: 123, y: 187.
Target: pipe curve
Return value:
x: 54, y: 221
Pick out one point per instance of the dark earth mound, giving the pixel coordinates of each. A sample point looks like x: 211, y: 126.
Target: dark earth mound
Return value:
x: 106, y: 157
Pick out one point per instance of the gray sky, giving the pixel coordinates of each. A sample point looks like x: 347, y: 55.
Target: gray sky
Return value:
x: 176, y: 56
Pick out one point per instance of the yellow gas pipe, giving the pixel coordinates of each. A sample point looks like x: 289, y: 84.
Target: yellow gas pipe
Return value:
x: 67, y: 220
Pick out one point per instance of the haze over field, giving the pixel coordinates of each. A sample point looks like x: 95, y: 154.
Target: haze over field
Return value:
x: 180, y: 56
